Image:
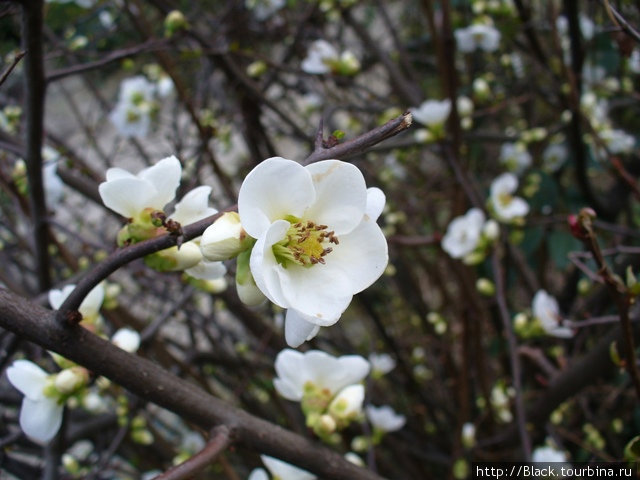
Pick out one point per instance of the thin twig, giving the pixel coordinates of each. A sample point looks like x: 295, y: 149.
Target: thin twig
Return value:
x: 10, y: 68
x: 620, y: 21
x: 363, y: 142
x: 221, y: 439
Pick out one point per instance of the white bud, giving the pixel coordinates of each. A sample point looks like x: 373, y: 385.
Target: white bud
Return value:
x: 70, y: 379
x: 127, y: 339
x: 224, y: 238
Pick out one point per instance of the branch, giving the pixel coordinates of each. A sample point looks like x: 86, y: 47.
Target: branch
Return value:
x: 10, y: 68
x: 150, y: 381
x: 201, y: 460
x: 620, y: 21
x: 361, y: 143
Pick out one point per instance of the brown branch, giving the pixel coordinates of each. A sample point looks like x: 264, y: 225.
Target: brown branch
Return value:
x: 620, y: 21
x: 363, y: 142
x: 35, y: 86
x: 150, y: 381
x: 201, y: 460
x: 10, y: 68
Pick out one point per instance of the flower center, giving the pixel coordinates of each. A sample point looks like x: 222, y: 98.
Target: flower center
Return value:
x: 504, y: 199
x: 305, y: 243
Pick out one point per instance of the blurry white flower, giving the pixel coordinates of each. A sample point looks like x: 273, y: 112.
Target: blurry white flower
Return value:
x: 545, y: 309
x: 464, y: 105
x: 347, y: 404
x: 432, y: 112
x: 548, y: 454
x: 617, y: 141
x: 40, y: 415
x: 132, y: 114
x: 554, y: 156
x: 515, y: 157
x: 126, y: 339
x: 468, y: 435
x: 505, y: 206
x: 484, y: 37
x: 318, y: 56
x: 634, y: 61
x: 587, y: 28
x: 385, y: 418
x: 318, y: 243
x: 463, y: 234
x: 381, y: 363
x: 53, y: 185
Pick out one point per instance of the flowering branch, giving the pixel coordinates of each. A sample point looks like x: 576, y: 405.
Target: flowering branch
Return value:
x: 150, y: 381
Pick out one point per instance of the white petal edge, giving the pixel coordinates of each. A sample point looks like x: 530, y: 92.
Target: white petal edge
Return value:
x: 27, y: 377
x: 376, y: 200
x: 165, y: 178
x: 297, y: 329
x: 40, y: 419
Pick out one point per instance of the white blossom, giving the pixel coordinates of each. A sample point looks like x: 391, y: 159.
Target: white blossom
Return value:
x: 279, y: 470
x: 554, y: 156
x: 432, y: 112
x: 478, y: 36
x: 463, y: 233
x: 506, y: 206
x: 515, y: 157
x: 385, y: 418
x: 317, y: 241
x: 381, y: 363
x: 545, y: 309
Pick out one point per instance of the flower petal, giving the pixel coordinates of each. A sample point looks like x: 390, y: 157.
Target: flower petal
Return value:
x: 165, y: 177
x: 264, y: 266
x: 361, y: 256
x: 320, y: 293
x: 376, y: 200
x: 334, y: 373
x: 277, y: 187
x: 57, y: 297
x: 194, y: 206
x: 128, y: 196
x: 292, y: 374
x: 115, y: 173
x: 40, y: 419
x: 91, y: 304
x: 285, y: 471
x: 206, y: 270
x: 297, y: 329
x: 341, y: 195
x: 27, y: 377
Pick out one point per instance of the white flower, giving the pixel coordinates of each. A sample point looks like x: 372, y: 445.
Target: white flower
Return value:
x: 634, y: 61
x: 385, y: 418
x: 53, y: 185
x: 296, y: 370
x: 153, y: 187
x: 40, y: 415
x: 224, y: 238
x: 484, y: 37
x: 432, y: 112
x: 464, y: 105
x: 279, y: 470
x: 318, y: 243
x: 545, y: 309
x: 319, y: 55
x: 381, y: 363
x: 587, y: 28
x: 505, y: 205
x: 463, y: 234
x: 618, y: 141
x: 515, y: 157
x: 132, y: 114
x: 126, y: 339
x: 468, y: 434
x: 554, y: 156
x: 90, y: 306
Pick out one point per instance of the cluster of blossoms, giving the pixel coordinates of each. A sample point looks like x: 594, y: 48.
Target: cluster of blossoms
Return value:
x: 469, y: 236
x: 331, y: 394
x: 322, y: 58
x: 45, y: 395
x: 141, y: 199
x: 138, y: 103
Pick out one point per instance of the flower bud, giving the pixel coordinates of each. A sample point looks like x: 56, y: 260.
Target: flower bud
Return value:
x: 468, y: 435
x: 486, y: 287
x: 491, y: 230
x: 173, y: 22
x: 224, y: 239
x: 70, y: 379
x: 127, y: 339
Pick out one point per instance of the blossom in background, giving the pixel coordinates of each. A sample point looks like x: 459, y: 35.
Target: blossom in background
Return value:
x: 263, y: 9
x: 545, y: 309
x: 468, y: 434
x: 634, y: 61
x: 463, y: 234
x: 478, y: 36
x: 132, y: 114
x: 317, y: 241
x: 381, y: 364
x: 505, y: 205
x: 53, y: 184
x: 433, y: 114
x: 617, y: 141
x: 44, y: 396
x: 554, y: 156
x: 279, y: 470
x: 515, y: 157
x: 384, y: 418
x: 548, y: 454
x: 127, y: 339
x: 328, y: 387
x: 587, y: 27
x: 322, y: 57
